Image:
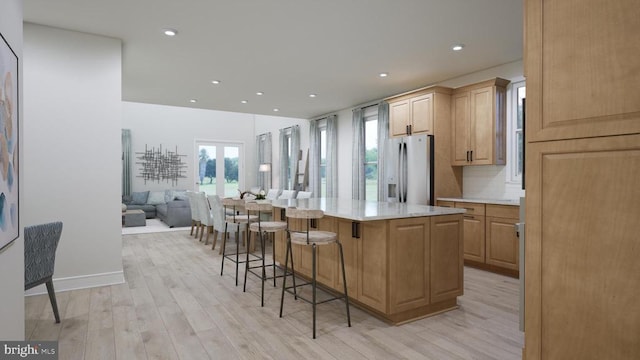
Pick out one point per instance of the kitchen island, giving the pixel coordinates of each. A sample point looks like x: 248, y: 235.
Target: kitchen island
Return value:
x: 403, y: 262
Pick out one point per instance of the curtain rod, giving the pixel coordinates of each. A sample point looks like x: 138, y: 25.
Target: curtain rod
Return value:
x: 263, y: 134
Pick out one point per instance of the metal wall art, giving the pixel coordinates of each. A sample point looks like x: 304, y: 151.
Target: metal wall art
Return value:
x: 156, y: 165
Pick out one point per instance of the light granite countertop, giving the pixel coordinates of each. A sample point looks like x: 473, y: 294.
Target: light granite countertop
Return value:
x: 515, y: 202
x: 361, y: 210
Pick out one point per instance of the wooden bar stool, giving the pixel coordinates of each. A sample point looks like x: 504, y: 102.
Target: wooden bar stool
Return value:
x: 310, y: 238
x: 235, y: 220
x: 262, y: 228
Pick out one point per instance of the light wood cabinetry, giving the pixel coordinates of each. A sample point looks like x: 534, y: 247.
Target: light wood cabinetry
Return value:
x: 501, y: 241
x: 399, y: 269
x: 478, y: 121
x: 413, y: 114
x: 428, y: 111
x: 582, y: 170
x: 474, y: 234
x: 490, y: 240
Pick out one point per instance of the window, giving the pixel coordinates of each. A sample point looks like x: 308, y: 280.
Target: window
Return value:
x: 371, y: 153
x: 517, y: 142
x: 323, y: 158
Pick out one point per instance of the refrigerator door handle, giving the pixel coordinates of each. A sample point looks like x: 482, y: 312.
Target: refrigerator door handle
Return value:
x: 399, y: 173
x: 405, y: 174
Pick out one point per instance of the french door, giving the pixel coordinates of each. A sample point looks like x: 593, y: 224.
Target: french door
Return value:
x: 219, y: 167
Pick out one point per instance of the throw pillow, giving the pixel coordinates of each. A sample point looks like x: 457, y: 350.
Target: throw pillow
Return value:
x: 168, y: 195
x: 180, y: 194
x: 139, y: 198
x: 156, y: 198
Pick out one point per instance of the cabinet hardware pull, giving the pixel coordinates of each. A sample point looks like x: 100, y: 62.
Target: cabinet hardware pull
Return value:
x: 467, y: 155
x: 355, y: 230
x: 469, y: 216
x: 410, y: 129
x: 406, y: 129
x: 471, y: 152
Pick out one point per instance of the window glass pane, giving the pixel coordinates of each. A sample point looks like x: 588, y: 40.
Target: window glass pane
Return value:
x: 207, y: 169
x: 519, y: 157
x: 231, y: 171
x: 522, y: 93
x: 371, y: 159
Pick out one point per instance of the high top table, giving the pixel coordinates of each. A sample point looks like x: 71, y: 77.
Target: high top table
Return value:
x: 403, y: 262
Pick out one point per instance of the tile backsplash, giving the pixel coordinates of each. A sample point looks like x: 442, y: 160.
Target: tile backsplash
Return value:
x: 489, y: 181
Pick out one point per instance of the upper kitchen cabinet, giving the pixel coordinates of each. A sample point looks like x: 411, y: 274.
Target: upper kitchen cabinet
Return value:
x: 582, y: 68
x: 414, y: 113
x: 478, y: 123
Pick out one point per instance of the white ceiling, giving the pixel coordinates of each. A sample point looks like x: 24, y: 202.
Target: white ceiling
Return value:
x: 289, y: 49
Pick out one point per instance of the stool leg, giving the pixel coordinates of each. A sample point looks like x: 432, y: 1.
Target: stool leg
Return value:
x: 264, y: 271
x: 246, y: 268
x: 344, y: 282
x: 224, y: 247
x: 313, y: 272
x: 273, y: 257
x: 237, y: 253
x: 286, y: 266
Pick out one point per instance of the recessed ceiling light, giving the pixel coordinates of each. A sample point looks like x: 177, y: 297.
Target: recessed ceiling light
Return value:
x: 244, y: 101
x: 259, y: 93
x: 457, y: 47
x: 216, y: 82
x: 312, y: 95
x: 383, y: 74
x: 170, y: 32
x: 193, y: 100
x: 276, y: 109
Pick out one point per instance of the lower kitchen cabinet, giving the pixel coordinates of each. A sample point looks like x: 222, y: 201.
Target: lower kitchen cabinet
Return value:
x: 490, y: 240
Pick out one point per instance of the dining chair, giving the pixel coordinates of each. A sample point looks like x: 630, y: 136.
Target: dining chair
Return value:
x: 217, y: 214
x: 195, y: 216
x: 40, y: 244
x: 287, y: 194
x: 272, y: 194
x: 205, y: 215
x: 304, y: 195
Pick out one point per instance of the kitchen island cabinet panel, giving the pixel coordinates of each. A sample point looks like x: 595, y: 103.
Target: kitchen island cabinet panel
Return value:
x: 372, y: 264
x: 446, y: 276
x: 409, y: 264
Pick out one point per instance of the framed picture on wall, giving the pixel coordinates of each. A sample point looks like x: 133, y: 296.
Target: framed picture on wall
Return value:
x: 9, y: 214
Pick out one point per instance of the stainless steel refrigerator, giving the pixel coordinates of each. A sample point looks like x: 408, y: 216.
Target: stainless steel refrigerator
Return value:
x: 409, y: 172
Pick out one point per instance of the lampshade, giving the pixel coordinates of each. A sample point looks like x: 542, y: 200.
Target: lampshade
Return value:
x: 264, y: 167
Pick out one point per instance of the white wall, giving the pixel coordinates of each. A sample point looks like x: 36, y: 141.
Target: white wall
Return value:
x: 170, y: 126
x: 71, y: 167
x: 12, y: 257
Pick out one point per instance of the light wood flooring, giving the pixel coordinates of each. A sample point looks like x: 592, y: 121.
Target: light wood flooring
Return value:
x: 175, y: 305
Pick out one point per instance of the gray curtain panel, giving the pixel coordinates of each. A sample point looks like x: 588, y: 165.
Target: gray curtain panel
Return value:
x: 314, y: 158
x: 332, y: 156
x: 284, y: 160
x: 126, y: 162
x: 295, y: 150
x: 357, y: 156
x: 383, y: 136
x: 263, y: 156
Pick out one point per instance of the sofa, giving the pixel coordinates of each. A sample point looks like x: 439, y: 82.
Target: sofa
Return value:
x: 170, y: 206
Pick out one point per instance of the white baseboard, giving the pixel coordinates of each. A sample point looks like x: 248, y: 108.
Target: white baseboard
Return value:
x: 80, y: 282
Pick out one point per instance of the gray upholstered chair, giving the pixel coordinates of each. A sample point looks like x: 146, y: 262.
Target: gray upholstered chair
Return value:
x: 287, y: 194
x: 40, y: 244
x: 273, y: 194
x: 304, y: 195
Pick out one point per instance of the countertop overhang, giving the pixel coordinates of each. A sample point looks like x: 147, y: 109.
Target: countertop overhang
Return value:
x: 362, y: 210
x: 514, y: 202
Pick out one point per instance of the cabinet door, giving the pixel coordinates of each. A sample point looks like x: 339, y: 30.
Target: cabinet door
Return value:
x: 562, y: 45
x: 460, y: 146
x: 502, y: 243
x: 350, y: 249
x: 409, y: 263
x: 399, y: 117
x: 422, y: 114
x: 372, y: 266
x: 482, y: 130
x: 474, y: 238
x: 582, y: 249
x: 446, y: 264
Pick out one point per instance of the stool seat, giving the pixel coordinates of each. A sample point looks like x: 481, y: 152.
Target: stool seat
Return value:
x: 315, y: 237
x: 242, y: 218
x: 268, y: 226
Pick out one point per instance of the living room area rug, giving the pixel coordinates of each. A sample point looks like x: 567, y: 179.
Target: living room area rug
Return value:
x: 153, y: 226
